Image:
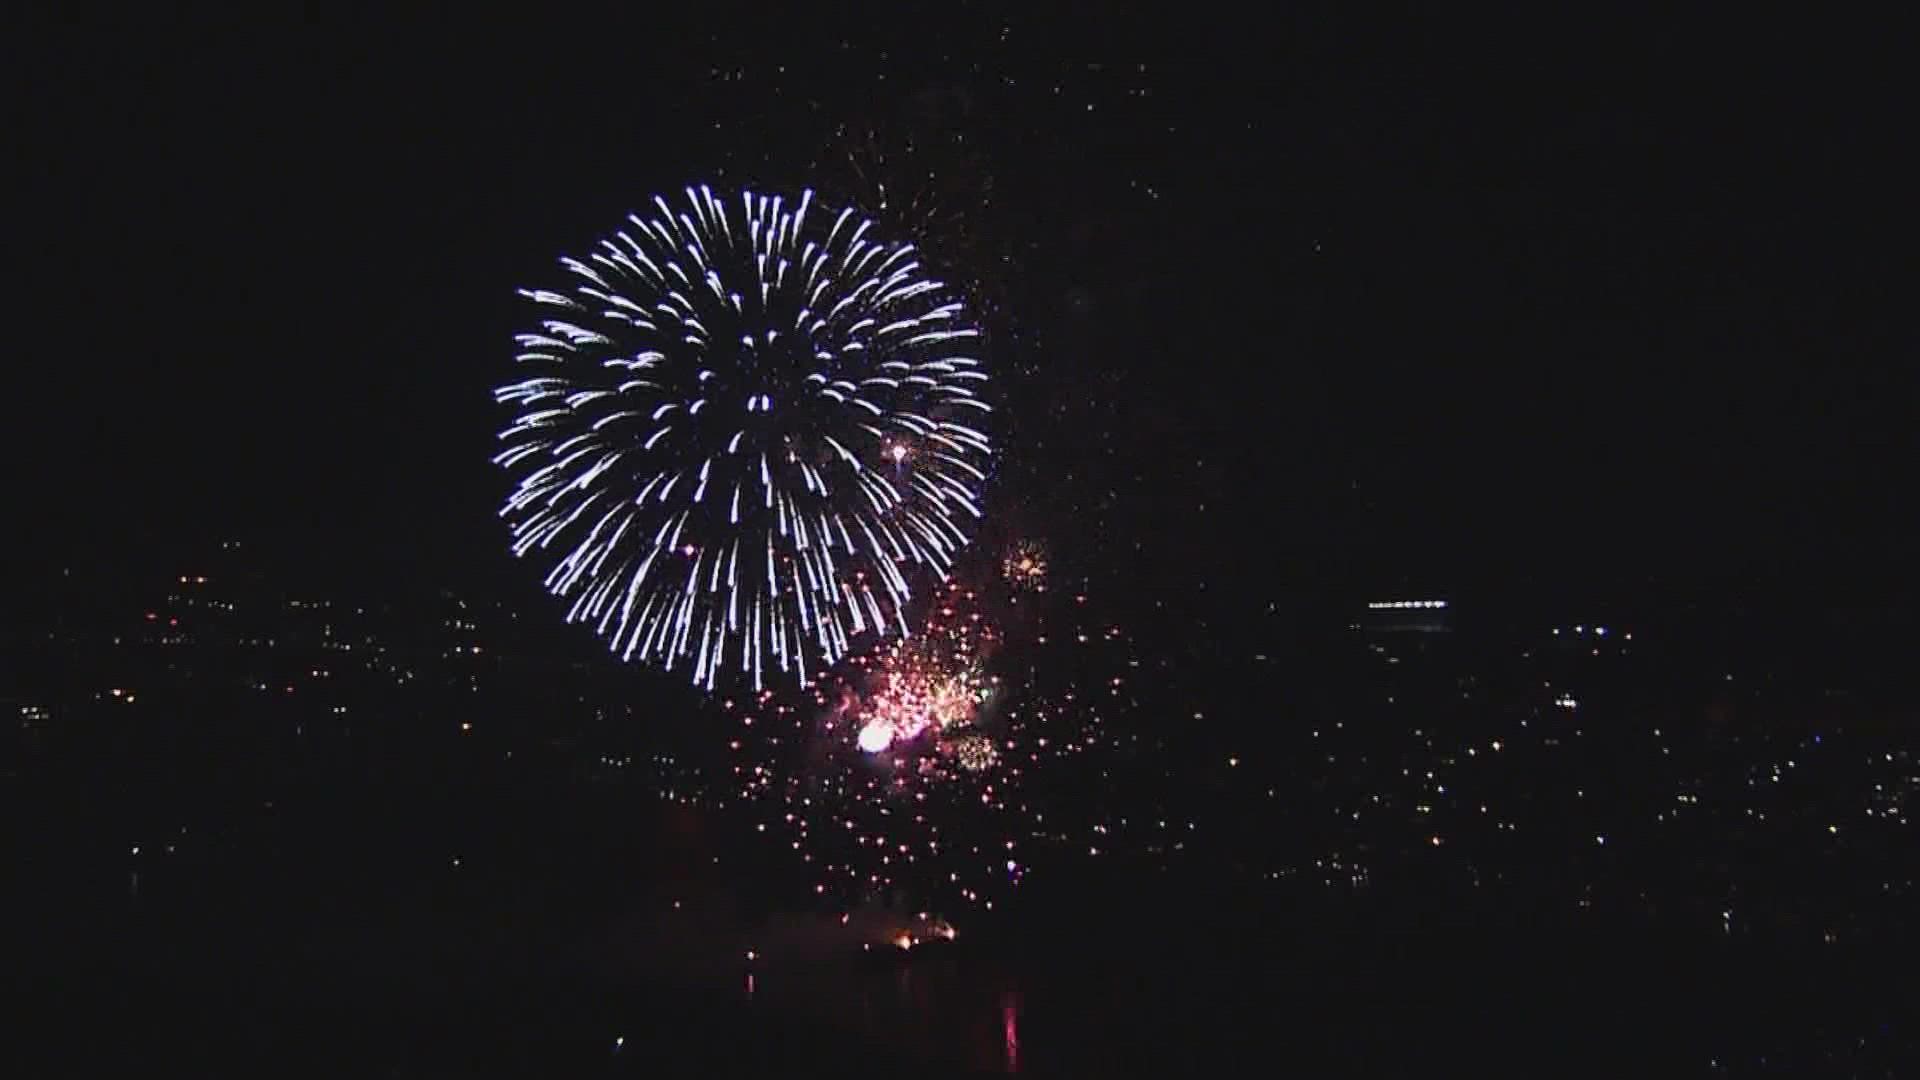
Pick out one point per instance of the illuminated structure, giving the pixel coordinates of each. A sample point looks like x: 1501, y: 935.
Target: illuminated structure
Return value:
x: 1423, y: 616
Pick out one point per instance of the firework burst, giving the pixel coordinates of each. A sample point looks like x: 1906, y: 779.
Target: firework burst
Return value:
x: 748, y: 426
x: 946, y: 768
x: 932, y: 682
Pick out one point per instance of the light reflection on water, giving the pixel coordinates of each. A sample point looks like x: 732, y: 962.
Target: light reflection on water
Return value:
x: 941, y: 1005
x: 931, y: 1012
x: 944, y: 1015
x: 1010, y: 1029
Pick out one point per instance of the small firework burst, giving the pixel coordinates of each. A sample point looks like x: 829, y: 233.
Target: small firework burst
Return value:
x: 1025, y: 566
x: 974, y: 753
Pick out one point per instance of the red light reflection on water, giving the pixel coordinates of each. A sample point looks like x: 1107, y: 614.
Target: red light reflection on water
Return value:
x: 1010, y: 1029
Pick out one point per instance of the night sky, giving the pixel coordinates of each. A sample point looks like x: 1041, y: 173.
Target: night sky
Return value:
x: 1451, y: 301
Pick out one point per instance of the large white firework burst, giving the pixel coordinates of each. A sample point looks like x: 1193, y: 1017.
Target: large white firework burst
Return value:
x: 749, y: 425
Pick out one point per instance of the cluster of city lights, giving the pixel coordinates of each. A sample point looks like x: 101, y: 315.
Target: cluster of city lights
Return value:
x: 1596, y: 631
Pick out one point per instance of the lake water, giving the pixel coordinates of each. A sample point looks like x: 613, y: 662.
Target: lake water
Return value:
x: 213, y: 973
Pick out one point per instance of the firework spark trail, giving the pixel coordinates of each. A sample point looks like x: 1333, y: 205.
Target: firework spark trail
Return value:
x: 750, y: 425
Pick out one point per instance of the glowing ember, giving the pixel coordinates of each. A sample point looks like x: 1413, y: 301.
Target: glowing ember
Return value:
x: 876, y: 736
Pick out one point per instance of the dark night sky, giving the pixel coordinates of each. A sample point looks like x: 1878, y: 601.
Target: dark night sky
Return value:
x: 1452, y: 299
